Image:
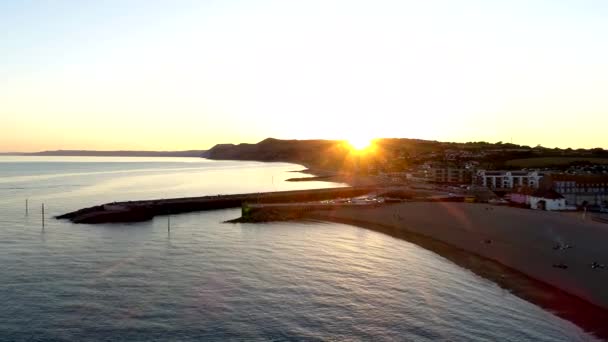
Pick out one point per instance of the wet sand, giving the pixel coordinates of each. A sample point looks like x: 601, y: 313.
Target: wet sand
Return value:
x: 513, y: 247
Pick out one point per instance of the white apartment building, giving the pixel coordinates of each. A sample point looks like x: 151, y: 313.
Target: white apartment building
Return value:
x: 497, y: 180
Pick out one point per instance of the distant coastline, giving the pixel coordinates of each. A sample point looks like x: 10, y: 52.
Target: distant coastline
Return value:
x: 85, y: 153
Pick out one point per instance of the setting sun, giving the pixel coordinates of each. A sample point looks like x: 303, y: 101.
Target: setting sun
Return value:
x: 360, y: 144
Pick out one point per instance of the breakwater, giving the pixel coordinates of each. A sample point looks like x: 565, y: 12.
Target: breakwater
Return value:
x: 139, y: 211
x: 270, y: 212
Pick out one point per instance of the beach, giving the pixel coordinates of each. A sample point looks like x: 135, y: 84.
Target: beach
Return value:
x: 521, y: 239
x: 529, y: 244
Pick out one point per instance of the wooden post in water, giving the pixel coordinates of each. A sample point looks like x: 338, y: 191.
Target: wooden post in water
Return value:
x: 169, y: 223
x: 42, y: 215
x: 26, y: 207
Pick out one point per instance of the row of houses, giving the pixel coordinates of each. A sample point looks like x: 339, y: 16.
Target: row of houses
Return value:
x: 494, y: 180
x: 579, y: 190
x: 451, y: 175
x: 562, y: 191
x: 551, y: 191
x: 541, y: 199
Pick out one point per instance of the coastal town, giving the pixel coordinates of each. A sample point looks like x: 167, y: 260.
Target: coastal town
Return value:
x: 396, y: 170
x: 577, y: 185
x: 539, y: 178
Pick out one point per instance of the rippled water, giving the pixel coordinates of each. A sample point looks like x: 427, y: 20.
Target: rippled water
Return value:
x: 205, y: 280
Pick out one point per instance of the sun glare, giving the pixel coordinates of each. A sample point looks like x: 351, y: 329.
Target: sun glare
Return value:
x: 359, y: 144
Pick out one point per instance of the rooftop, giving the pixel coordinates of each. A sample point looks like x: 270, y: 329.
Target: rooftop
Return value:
x: 548, y: 194
x: 583, y: 179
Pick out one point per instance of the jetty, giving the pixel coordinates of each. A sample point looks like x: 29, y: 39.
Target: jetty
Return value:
x: 139, y: 211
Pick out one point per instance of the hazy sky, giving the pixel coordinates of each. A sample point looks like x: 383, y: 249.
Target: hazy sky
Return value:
x: 168, y: 75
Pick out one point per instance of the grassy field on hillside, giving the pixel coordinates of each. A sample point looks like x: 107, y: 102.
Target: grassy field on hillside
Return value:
x: 552, y: 161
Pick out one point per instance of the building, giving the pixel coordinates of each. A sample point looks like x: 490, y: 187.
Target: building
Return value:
x: 579, y: 189
x: 451, y: 175
x: 395, y: 177
x: 521, y: 196
x: 547, y: 200
x: 502, y: 180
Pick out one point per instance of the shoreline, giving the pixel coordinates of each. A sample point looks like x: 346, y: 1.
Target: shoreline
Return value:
x: 582, y: 313
x: 511, y: 247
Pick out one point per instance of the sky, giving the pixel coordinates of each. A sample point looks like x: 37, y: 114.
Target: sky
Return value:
x: 176, y: 75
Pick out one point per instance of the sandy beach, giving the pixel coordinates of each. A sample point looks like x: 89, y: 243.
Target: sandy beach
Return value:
x: 529, y: 244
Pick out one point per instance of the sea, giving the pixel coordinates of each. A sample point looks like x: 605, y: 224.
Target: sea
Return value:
x: 205, y: 280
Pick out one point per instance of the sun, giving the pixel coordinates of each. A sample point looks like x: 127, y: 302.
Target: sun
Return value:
x: 359, y: 144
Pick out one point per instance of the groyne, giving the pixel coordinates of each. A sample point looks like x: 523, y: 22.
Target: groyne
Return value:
x: 139, y: 211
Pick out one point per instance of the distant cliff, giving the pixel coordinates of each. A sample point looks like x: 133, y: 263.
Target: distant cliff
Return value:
x: 322, y: 154
x: 313, y: 153
x: 397, y: 154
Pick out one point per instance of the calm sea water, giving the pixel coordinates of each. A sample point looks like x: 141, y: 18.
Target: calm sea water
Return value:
x: 211, y: 281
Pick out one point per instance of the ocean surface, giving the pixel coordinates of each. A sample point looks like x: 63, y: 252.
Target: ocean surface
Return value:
x: 206, y: 280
